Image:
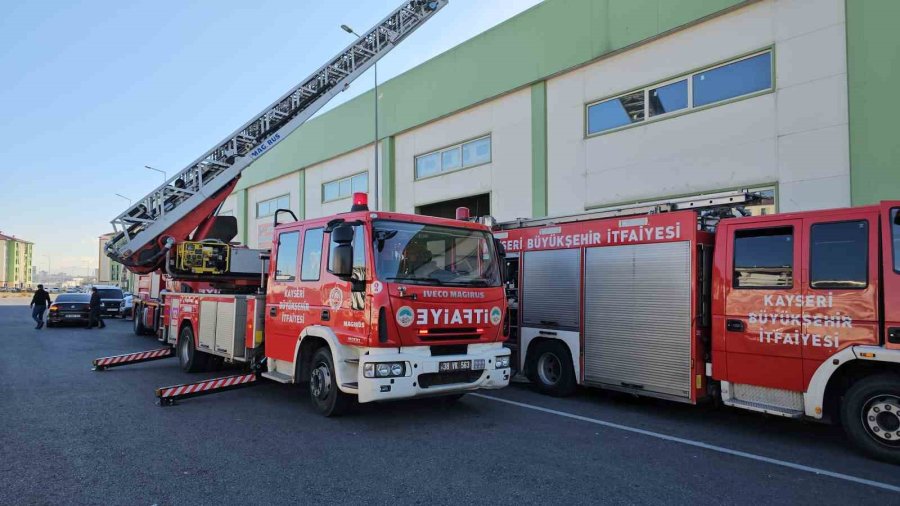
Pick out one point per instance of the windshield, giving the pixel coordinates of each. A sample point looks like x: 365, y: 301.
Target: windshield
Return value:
x: 434, y: 255
x: 107, y: 293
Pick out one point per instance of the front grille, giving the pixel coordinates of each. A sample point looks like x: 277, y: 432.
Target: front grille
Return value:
x: 432, y: 379
x: 449, y: 349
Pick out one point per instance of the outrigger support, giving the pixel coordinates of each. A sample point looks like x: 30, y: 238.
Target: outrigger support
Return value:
x: 168, y: 396
x: 104, y: 363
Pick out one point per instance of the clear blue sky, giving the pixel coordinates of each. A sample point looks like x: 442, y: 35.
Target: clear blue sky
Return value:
x: 92, y: 91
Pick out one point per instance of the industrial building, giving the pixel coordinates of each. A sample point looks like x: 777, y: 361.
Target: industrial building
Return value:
x: 15, y: 262
x: 576, y: 105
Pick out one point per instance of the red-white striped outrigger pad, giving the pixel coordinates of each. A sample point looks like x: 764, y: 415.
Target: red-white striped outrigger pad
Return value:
x: 205, y: 386
x: 132, y: 358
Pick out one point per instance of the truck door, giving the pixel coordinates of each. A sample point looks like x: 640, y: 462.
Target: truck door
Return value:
x: 284, y: 313
x: 763, y: 305
x: 840, y: 288
x: 345, y: 298
x: 890, y: 219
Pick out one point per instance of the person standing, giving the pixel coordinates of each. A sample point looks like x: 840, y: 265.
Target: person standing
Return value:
x: 95, y: 317
x: 39, y: 304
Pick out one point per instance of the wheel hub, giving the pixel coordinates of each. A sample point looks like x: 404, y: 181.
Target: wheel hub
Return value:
x: 320, y: 382
x: 549, y: 368
x: 881, y: 416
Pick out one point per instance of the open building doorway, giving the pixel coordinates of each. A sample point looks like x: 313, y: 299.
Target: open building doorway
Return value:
x: 479, y: 205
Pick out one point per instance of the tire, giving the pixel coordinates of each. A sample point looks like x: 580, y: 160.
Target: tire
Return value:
x: 139, y: 329
x: 870, y: 414
x: 326, y: 397
x: 550, y: 369
x: 189, y: 358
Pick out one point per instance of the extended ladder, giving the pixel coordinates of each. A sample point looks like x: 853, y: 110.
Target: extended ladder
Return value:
x: 144, y: 223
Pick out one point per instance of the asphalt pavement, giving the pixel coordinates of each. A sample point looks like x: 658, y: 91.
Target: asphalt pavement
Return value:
x: 71, y: 435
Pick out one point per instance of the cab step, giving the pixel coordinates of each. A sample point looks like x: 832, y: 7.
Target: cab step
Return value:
x: 277, y: 376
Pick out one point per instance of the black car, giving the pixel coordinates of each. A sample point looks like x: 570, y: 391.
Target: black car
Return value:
x: 112, y: 301
x: 70, y: 308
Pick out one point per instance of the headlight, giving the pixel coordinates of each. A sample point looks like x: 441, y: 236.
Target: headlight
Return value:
x: 384, y: 370
x: 501, y: 362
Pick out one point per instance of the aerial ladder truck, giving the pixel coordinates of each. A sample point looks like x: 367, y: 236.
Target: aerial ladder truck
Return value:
x: 362, y: 305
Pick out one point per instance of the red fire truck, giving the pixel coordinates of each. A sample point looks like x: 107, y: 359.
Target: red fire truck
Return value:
x: 796, y: 315
x: 375, y: 306
x: 369, y: 305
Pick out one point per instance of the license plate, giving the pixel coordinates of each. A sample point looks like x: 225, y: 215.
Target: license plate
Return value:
x: 72, y: 316
x: 461, y: 365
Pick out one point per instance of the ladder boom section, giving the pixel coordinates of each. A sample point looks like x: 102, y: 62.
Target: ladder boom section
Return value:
x: 183, y: 201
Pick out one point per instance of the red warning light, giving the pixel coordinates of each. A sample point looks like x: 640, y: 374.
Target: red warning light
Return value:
x: 360, y: 202
x: 462, y: 213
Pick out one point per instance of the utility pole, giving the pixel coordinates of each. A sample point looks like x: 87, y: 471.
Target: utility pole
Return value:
x: 375, y: 200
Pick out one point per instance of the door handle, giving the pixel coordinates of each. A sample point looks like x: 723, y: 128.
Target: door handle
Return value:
x: 734, y: 325
x: 273, y: 310
x: 325, y: 315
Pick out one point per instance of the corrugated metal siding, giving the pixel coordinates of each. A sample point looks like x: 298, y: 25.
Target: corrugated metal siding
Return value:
x: 551, y: 288
x: 207, y: 337
x: 638, y: 317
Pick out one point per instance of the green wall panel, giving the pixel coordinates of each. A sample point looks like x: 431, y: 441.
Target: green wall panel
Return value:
x: 539, y: 149
x: 389, y: 173
x: 873, y: 71
x: 551, y: 37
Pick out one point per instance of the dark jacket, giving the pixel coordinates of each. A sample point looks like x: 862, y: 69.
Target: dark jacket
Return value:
x: 41, y: 298
x: 95, y: 300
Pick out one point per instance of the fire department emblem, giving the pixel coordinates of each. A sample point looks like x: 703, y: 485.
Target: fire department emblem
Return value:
x: 405, y: 316
x: 335, y: 298
x: 496, y: 315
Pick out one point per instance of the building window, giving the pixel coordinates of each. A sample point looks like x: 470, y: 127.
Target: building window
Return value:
x: 344, y: 188
x: 312, y: 254
x: 737, y: 78
x: 732, y: 80
x: 460, y: 156
x: 764, y: 258
x: 839, y: 255
x: 268, y: 207
x: 286, y: 262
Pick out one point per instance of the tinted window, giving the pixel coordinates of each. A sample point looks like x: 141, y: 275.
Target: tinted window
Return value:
x: 668, y: 98
x: 895, y: 236
x: 109, y: 293
x: 616, y: 112
x: 839, y: 255
x: 312, y: 254
x: 733, y: 80
x: 764, y: 258
x: 286, y: 263
x: 359, y: 253
x: 73, y: 297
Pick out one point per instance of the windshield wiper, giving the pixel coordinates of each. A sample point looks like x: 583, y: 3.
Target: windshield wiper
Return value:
x: 413, y: 280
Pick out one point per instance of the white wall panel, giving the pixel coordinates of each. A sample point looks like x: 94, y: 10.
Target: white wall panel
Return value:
x: 728, y: 145
x: 507, y: 178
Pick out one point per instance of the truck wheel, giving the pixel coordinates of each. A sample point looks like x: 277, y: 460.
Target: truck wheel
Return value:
x: 870, y: 414
x: 139, y: 322
x: 550, y: 369
x: 190, y: 359
x: 323, y: 388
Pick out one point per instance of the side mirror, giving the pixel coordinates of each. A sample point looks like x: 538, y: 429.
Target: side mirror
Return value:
x: 342, y: 234
x: 341, y: 260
